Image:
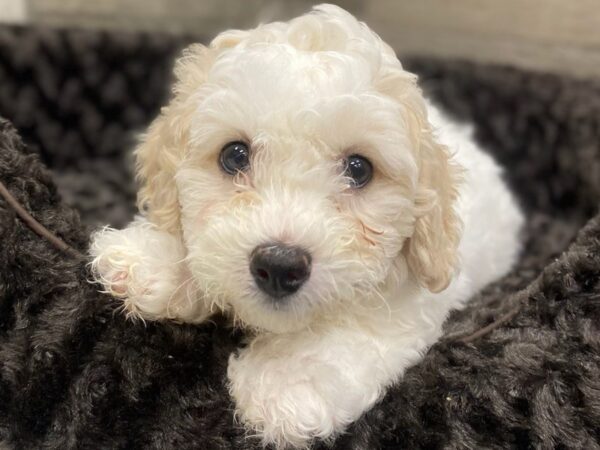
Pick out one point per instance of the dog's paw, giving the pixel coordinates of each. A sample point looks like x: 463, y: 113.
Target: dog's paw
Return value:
x: 142, y: 267
x: 121, y: 275
x: 288, y: 402
x: 292, y: 420
x: 284, y: 415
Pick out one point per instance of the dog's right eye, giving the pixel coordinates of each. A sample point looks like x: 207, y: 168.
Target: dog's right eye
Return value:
x: 360, y: 171
x: 235, y: 157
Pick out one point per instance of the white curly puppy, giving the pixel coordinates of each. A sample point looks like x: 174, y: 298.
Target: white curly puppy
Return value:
x: 299, y: 182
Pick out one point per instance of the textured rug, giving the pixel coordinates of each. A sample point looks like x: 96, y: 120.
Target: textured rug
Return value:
x: 75, y: 374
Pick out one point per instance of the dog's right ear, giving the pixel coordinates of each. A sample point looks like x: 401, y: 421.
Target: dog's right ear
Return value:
x: 164, y: 145
x: 432, y: 250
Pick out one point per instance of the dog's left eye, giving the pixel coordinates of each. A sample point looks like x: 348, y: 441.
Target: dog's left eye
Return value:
x: 235, y: 157
x: 359, y: 169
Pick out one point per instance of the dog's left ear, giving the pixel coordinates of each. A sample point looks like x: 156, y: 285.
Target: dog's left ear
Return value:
x: 431, y: 251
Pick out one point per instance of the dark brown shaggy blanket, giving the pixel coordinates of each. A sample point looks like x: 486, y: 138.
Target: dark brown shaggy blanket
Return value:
x: 76, y: 375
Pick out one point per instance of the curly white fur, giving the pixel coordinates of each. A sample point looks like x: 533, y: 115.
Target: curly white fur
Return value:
x: 390, y: 260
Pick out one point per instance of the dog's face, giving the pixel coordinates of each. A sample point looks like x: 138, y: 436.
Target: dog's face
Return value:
x: 298, y: 166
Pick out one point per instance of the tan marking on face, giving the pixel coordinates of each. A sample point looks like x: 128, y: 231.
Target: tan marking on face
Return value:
x: 372, y: 230
x: 203, y: 214
x: 365, y: 230
x: 242, y: 198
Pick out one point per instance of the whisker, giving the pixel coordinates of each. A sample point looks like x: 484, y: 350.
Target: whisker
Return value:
x: 372, y: 230
x: 246, y: 178
x: 172, y: 296
x: 364, y: 233
x: 384, y: 301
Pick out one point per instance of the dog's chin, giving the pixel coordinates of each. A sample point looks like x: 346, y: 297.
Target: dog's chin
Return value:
x: 273, y: 315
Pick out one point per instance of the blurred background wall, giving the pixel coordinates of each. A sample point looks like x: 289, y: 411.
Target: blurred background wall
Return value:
x: 551, y: 35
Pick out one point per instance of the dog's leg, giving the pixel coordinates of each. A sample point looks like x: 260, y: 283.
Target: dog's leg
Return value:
x: 293, y: 387
x: 145, y: 267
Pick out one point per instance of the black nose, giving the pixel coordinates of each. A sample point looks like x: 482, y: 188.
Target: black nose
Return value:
x: 279, y: 269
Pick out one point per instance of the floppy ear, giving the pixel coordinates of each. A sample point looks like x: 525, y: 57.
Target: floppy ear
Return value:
x: 165, y: 143
x: 431, y: 251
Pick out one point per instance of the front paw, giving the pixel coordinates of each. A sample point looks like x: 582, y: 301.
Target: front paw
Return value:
x: 143, y: 268
x: 119, y: 270
x: 289, y: 403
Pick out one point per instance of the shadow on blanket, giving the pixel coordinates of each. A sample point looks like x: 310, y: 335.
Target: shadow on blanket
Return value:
x: 75, y: 374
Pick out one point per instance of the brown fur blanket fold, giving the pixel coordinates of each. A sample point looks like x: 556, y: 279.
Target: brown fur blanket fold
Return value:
x: 74, y: 374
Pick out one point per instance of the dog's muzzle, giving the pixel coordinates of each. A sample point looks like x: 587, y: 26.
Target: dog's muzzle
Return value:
x: 280, y: 270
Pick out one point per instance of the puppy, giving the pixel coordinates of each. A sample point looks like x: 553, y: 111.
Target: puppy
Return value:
x: 300, y: 183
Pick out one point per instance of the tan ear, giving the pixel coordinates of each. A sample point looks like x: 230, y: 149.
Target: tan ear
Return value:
x: 165, y: 143
x: 157, y: 159
x: 431, y: 251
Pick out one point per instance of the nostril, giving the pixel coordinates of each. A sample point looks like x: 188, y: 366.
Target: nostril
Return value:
x: 295, y: 276
x: 263, y: 274
x: 292, y: 276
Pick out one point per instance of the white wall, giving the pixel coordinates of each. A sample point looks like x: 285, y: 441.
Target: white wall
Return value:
x: 550, y: 35
x: 554, y: 35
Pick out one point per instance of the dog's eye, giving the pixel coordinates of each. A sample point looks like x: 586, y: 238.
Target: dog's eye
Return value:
x: 235, y: 156
x: 359, y: 169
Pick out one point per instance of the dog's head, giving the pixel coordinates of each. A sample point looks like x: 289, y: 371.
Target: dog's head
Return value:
x: 297, y: 163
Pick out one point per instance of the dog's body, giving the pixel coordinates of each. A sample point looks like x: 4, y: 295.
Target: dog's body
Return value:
x: 378, y: 261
